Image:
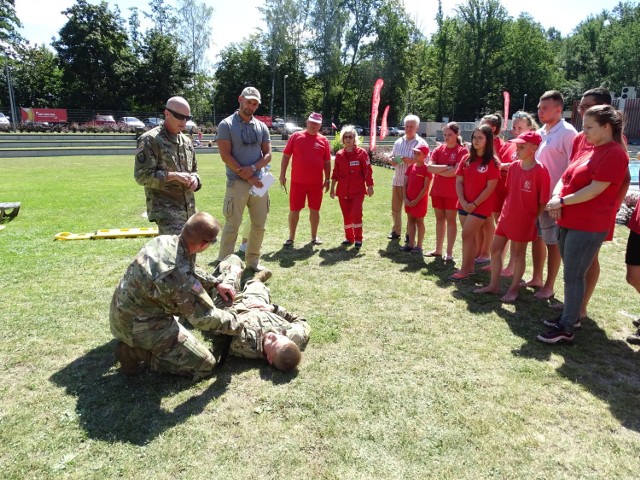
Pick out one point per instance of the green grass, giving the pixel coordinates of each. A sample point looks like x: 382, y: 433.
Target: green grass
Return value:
x: 406, y: 375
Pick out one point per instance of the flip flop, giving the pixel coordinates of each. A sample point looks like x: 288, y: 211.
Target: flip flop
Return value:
x: 317, y: 241
x: 482, y: 260
x: 432, y: 254
x: 288, y: 243
x: 456, y: 277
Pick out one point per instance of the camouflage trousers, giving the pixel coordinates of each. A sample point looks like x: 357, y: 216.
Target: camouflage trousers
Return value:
x: 171, y: 226
x: 174, y: 349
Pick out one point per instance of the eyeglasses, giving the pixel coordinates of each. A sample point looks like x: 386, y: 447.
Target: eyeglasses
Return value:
x: 179, y: 116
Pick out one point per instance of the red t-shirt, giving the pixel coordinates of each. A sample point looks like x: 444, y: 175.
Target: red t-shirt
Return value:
x: 352, y: 171
x: 476, y: 176
x: 416, y: 175
x: 634, y: 221
x: 528, y: 189
x: 604, y: 163
x: 309, y: 153
x: 446, y: 186
x: 498, y: 145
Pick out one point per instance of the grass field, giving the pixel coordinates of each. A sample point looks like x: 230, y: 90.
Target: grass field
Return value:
x: 406, y: 376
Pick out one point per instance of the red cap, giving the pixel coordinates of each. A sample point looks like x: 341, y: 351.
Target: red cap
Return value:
x: 528, y: 137
x: 422, y: 148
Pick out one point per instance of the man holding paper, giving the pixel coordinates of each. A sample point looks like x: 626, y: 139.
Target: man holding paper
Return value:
x: 311, y: 157
x: 245, y: 147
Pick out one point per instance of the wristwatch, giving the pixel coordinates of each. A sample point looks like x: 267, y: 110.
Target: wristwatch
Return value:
x: 253, y: 167
x: 561, y: 201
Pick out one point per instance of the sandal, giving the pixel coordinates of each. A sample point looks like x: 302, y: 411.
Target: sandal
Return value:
x: 447, y: 259
x: 317, y: 241
x: 288, y: 243
x: 416, y: 250
x: 458, y: 276
x: 405, y: 248
x: 433, y: 254
x: 482, y: 260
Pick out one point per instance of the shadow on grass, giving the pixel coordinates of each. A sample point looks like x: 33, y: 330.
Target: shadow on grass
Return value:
x: 332, y: 256
x: 288, y: 256
x: 412, y: 262
x: 113, y: 407
x: 607, y: 368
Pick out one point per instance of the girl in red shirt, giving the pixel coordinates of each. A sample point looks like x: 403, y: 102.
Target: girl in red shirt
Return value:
x: 353, y: 175
x: 583, y: 204
x: 442, y: 165
x: 416, y: 186
x: 476, y: 179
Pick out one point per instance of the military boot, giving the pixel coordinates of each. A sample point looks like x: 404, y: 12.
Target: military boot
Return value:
x: 131, y: 359
x: 262, y: 276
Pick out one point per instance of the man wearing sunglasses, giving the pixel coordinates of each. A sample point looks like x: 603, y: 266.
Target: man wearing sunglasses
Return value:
x: 163, y: 283
x: 245, y: 147
x: 167, y: 168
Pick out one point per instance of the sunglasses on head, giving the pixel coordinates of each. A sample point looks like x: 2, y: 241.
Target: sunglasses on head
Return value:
x: 179, y: 116
x: 519, y: 115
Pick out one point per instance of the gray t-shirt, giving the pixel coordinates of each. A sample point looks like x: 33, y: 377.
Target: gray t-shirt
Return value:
x: 246, y: 140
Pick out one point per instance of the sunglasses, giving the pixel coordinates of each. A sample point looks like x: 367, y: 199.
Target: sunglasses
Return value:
x: 179, y: 116
x: 519, y: 115
x: 248, y: 134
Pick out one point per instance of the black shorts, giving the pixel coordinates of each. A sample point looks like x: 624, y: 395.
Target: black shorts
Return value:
x: 464, y: 213
x: 633, y: 250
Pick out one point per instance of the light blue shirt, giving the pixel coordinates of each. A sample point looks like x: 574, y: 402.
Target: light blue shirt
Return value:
x: 246, y: 140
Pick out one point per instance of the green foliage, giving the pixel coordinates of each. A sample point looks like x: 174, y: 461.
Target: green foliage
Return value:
x: 37, y: 78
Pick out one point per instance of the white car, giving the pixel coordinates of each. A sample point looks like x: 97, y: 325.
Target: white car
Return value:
x: 131, y: 122
x: 4, y: 120
x: 292, y: 127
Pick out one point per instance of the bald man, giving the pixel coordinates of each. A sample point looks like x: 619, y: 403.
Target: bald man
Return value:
x: 167, y: 168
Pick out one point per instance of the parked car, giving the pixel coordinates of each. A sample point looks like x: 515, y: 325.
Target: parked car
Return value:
x: 153, y: 121
x: 4, y: 120
x: 392, y: 131
x: 103, y: 120
x: 292, y: 127
x: 400, y: 131
x: 131, y: 122
x: 191, y: 126
x: 359, y: 129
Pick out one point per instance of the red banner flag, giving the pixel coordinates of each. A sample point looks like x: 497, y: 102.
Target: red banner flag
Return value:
x: 375, y: 102
x: 384, y: 130
x: 507, y: 100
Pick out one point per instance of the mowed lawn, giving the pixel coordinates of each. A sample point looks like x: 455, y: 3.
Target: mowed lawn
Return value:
x: 406, y: 376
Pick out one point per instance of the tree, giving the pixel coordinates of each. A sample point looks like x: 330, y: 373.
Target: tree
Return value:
x: 195, y: 32
x: 9, y: 25
x: 94, y: 56
x: 162, y: 16
x: 37, y: 77
x: 162, y: 72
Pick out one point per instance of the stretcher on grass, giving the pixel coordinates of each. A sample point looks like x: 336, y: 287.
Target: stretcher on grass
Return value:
x: 109, y: 233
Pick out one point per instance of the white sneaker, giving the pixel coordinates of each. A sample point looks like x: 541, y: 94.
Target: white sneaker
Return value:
x: 243, y: 247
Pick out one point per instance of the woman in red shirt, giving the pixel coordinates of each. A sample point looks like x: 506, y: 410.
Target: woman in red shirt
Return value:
x: 476, y: 179
x: 352, y: 172
x: 583, y: 204
x: 442, y: 165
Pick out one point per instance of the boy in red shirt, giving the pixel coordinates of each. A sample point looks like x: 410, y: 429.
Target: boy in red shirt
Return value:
x: 528, y: 186
x: 416, y: 188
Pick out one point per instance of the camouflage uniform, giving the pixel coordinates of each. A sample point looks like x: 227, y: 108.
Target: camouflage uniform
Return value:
x: 162, y: 281
x: 160, y: 152
x: 255, y: 324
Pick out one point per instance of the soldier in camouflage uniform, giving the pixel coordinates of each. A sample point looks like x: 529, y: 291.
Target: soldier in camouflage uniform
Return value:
x: 267, y: 330
x: 163, y: 282
x: 166, y: 166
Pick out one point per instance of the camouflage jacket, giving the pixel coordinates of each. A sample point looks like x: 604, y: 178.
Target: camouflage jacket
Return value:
x: 158, y: 153
x: 162, y: 281
x: 257, y: 323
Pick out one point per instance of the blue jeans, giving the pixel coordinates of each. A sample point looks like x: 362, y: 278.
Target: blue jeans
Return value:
x: 578, y: 250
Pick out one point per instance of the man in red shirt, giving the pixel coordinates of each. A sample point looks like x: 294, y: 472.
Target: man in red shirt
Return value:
x: 311, y: 157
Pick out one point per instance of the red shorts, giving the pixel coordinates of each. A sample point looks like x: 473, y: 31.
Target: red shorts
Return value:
x: 303, y: 191
x: 443, y: 203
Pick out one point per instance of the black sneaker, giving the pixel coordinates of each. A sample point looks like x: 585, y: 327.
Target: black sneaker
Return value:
x: 556, y: 335
x: 357, y: 245
x: 393, y: 236
x: 636, y: 322
x: 347, y: 243
x: 555, y: 322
